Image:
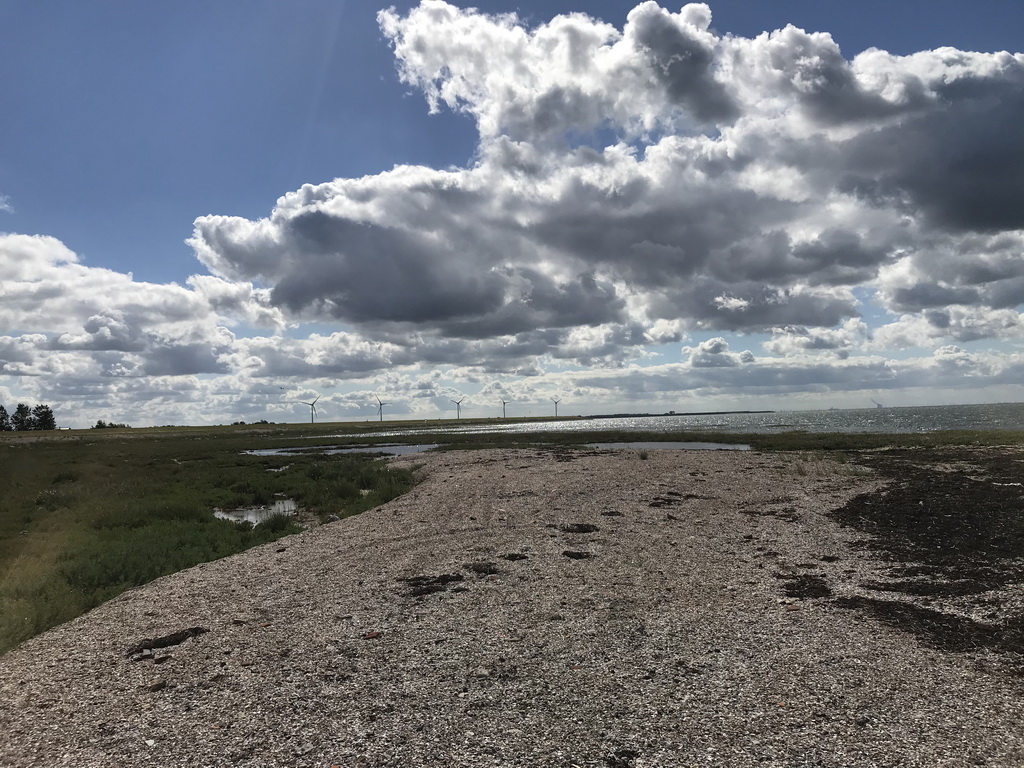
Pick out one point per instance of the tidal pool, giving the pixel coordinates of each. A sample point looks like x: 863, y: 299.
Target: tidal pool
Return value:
x: 393, y: 449
x: 257, y: 515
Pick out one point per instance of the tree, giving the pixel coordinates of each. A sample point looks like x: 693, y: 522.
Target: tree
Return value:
x: 43, y: 418
x: 5, y: 420
x: 101, y: 424
x: 22, y: 418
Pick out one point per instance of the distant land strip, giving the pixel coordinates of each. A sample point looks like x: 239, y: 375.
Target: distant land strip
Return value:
x: 669, y: 413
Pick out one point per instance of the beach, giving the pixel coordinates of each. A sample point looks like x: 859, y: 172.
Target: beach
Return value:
x: 618, y: 609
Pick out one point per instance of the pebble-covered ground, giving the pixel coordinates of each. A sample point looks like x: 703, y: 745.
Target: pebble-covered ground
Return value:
x: 608, y: 610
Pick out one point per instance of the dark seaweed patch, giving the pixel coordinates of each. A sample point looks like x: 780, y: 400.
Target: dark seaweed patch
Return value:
x: 674, y: 499
x: 789, y: 514
x: 664, y: 501
x: 621, y: 758
x: 578, y: 555
x: 175, y: 638
x: 578, y: 528
x: 961, y: 526
x: 482, y: 569
x: 806, y: 586
x: 950, y: 523
x: 940, y: 630
x: 427, y: 585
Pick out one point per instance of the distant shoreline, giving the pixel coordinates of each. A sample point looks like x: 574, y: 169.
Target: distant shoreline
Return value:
x: 669, y: 413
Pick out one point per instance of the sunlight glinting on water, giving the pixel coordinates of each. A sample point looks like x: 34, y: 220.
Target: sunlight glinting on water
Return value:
x: 884, y: 420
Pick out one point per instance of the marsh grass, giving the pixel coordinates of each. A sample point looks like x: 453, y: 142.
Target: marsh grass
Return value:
x: 84, y: 517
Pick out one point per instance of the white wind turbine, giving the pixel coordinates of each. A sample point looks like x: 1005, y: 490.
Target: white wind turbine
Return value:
x: 458, y: 407
x: 556, y: 402
x: 380, y: 408
x: 504, y: 402
x: 312, y: 409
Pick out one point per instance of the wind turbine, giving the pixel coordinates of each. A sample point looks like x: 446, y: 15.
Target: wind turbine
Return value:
x: 458, y: 407
x: 877, y: 404
x: 504, y: 402
x: 312, y: 409
x: 380, y: 408
x: 556, y: 402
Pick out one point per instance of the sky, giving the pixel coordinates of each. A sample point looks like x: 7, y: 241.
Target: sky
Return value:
x: 218, y: 210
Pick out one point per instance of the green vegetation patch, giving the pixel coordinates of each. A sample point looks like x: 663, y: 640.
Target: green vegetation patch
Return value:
x: 84, y: 517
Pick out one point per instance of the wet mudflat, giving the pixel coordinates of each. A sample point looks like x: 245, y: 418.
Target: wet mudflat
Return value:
x: 948, y: 531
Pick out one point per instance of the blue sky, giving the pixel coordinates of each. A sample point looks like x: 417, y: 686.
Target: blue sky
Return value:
x: 123, y: 123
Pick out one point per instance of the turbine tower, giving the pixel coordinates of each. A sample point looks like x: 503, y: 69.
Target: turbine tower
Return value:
x: 380, y: 408
x: 556, y: 402
x: 458, y: 407
x: 504, y: 402
x: 312, y: 408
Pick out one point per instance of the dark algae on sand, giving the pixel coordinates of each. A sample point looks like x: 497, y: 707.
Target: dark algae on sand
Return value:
x: 949, y: 527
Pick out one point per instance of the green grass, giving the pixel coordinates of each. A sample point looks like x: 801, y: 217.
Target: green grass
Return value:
x: 83, y: 517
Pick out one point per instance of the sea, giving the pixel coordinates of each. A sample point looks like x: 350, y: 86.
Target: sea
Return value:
x: 905, y: 420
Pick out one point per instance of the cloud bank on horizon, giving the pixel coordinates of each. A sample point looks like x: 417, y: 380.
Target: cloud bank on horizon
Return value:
x: 655, y: 215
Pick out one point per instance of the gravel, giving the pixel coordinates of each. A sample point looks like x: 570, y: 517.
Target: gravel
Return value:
x: 524, y: 608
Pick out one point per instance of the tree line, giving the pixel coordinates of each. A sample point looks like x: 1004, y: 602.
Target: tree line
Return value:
x: 25, y: 419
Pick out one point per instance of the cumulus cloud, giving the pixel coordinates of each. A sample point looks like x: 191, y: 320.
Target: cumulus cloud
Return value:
x: 714, y: 353
x: 655, y: 173
x: 127, y: 328
x: 956, y: 323
x: 633, y: 185
x: 800, y: 340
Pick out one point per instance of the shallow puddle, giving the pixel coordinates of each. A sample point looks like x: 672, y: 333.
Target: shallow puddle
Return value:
x: 392, y: 449
x: 257, y: 515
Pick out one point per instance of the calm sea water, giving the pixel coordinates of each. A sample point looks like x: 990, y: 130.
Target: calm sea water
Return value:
x: 888, y: 420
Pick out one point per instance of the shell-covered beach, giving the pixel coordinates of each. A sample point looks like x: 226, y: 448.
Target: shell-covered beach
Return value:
x: 540, y: 608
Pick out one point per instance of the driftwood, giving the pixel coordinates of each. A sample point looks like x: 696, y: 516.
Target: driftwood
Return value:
x: 175, y: 638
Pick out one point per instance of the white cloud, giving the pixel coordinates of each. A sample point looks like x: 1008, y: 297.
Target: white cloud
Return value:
x: 133, y: 328
x: 631, y: 187
x: 956, y: 323
x: 800, y: 340
x: 714, y: 353
x: 748, y: 185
